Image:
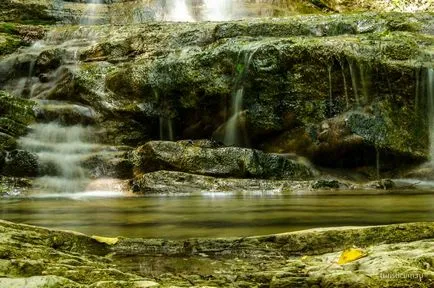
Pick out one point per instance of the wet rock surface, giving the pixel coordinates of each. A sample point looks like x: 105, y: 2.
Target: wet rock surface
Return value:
x: 21, y: 163
x: 220, y: 162
x: 392, y: 255
x: 312, y: 85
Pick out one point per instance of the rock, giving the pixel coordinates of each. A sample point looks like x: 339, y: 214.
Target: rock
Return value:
x: 170, y: 182
x: 38, y: 282
x: 304, y: 259
x: 16, y: 109
x: 12, y: 186
x: 7, y: 142
x: 12, y: 128
x: 48, y: 60
x: 13, y: 36
x: 2, y: 160
x: 109, y: 164
x: 312, y: 85
x: 69, y: 258
x: 384, y: 184
x: 20, y: 163
x: 220, y: 162
x: 64, y: 113
x: 21, y: 11
x: 125, y: 284
x: 328, y: 184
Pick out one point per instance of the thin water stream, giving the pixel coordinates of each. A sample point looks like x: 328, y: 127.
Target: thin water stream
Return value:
x: 217, y: 215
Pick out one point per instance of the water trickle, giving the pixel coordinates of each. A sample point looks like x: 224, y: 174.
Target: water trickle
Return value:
x: 235, y: 133
x: 166, y: 129
x: 60, y: 151
x: 364, y: 80
x: 354, y: 83
x: 344, y: 78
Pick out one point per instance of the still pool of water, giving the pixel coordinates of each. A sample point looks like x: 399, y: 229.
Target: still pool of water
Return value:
x: 217, y: 215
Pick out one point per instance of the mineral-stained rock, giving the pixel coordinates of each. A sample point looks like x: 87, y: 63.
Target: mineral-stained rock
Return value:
x: 221, y: 162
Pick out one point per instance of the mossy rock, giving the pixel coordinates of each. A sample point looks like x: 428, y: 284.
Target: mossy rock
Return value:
x: 219, y: 162
x: 26, y: 12
x: 9, y: 44
x: 20, y: 163
x: 16, y: 109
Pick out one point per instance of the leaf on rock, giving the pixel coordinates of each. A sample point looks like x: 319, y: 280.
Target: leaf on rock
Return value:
x: 351, y: 255
x: 106, y: 240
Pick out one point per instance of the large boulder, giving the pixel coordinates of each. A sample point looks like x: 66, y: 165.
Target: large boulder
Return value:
x: 220, y: 162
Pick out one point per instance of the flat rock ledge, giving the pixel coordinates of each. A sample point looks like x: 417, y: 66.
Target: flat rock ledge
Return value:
x: 399, y: 255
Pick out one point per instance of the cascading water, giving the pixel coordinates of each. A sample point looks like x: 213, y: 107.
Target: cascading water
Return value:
x: 70, y: 158
x: 89, y: 15
x: 60, y: 150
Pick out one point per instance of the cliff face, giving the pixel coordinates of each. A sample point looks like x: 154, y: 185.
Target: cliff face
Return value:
x: 139, y: 11
x: 342, y: 90
x: 337, y: 89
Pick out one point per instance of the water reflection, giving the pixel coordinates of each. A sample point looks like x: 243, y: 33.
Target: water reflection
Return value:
x: 217, y: 215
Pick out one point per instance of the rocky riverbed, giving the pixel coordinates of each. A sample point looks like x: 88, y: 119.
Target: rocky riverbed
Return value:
x: 398, y: 255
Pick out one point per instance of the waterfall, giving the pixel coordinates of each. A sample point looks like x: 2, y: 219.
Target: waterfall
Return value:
x: 430, y: 96
x: 178, y: 11
x: 60, y: 150
x: 89, y: 15
x: 217, y: 10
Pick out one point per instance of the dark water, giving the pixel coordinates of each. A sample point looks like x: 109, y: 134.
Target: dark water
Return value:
x: 215, y: 215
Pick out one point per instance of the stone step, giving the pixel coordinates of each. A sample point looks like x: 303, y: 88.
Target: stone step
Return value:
x: 64, y: 113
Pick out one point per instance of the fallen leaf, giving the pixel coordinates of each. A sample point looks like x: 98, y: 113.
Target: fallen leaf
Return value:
x: 351, y: 255
x: 106, y: 240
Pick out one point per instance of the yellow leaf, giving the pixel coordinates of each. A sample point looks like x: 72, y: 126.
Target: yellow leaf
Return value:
x: 351, y: 255
x: 304, y: 257
x: 106, y: 240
